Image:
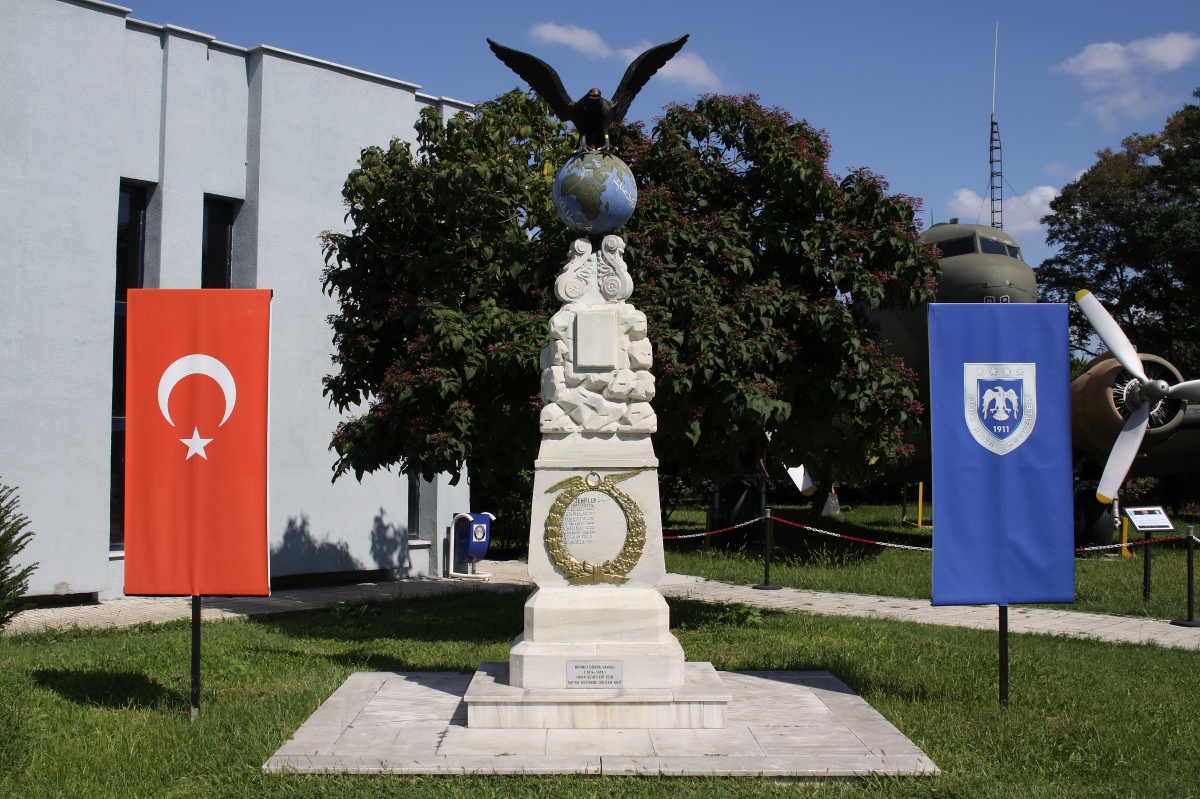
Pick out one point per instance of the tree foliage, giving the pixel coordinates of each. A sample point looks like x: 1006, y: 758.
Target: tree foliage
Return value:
x: 14, y: 537
x: 1128, y: 230
x: 752, y: 262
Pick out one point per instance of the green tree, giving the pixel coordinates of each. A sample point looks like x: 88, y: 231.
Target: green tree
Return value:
x: 1128, y: 230
x: 752, y: 263
x: 14, y: 538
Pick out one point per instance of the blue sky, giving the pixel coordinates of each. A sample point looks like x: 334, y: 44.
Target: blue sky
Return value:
x: 902, y: 88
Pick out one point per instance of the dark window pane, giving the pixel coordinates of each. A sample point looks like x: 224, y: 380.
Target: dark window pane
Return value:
x: 953, y: 247
x: 992, y: 247
x: 131, y: 239
x: 118, y: 392
x: 218, y: 243
x: 130, y: 259
x: 116, y: 504
x: 1014, y: 252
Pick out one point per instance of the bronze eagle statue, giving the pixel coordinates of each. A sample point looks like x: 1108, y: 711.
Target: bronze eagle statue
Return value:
x: 591, y: 114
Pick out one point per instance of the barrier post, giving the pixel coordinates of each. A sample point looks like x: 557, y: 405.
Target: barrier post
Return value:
x: 1125, y: 538
x: 1190, y: 621
x: 920, y: 505
x: 766, y: 583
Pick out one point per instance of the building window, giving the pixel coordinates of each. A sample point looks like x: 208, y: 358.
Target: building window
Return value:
x: 130, y: 262
x: 217, y: 252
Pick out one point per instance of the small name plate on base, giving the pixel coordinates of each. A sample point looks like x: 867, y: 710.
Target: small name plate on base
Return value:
x: 595, y: 674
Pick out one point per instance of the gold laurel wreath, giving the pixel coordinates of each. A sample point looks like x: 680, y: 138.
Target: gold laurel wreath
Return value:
x: 610, y: 571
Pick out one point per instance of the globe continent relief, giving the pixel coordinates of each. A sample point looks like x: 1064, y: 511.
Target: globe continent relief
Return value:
x: 594, y: 193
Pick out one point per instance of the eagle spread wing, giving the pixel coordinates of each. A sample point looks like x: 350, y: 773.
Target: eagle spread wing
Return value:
x: 1012, y: 397
x: 541, y: 77
x: 640, y: 71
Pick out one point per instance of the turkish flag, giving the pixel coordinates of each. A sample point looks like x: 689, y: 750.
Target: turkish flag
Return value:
x: 196, y: 442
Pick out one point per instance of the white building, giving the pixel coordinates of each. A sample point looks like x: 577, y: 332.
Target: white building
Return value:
x: 147, y: 155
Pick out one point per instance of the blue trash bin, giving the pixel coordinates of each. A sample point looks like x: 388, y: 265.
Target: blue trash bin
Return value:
x: 471, y: 534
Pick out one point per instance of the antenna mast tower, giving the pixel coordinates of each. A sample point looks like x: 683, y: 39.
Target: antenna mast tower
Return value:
x: 994, y: 157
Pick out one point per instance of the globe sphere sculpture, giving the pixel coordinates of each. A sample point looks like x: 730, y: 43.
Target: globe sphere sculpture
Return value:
x: 594, y: 193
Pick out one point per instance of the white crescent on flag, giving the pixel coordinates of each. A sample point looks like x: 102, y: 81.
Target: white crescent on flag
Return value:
x: 197, y: 364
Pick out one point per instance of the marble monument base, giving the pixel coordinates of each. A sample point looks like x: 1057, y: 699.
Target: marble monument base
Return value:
x: 700, y: 702
x: 596, y: 636
x: 597, y: 657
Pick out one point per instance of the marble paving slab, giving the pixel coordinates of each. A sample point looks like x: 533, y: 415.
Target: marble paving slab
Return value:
x: 804, y: 724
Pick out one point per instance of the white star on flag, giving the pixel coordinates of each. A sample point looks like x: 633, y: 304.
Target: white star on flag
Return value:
x: 196, y: 444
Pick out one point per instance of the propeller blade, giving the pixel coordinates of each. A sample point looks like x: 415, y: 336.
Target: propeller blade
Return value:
x: 1111, y: 334
x: 1123, y: 453
x: 1189, y: 391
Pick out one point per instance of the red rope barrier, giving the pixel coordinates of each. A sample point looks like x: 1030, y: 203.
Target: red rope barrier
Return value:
x: 905, y: 546
x: 852, y: 538
x: 1135, y: 543
x: 713, y: 532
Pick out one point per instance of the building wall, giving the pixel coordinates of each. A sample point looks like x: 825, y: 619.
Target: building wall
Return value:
x: 89, y: 98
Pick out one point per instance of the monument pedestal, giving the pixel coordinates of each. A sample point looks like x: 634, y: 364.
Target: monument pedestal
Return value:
x: 597, y: 636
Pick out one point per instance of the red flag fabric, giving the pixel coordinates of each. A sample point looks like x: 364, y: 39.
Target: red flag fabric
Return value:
x: 196, y: 442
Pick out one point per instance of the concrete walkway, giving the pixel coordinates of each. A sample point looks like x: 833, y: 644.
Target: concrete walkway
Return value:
x: 509, y: 575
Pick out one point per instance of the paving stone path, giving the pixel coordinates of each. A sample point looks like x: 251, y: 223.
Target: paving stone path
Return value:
x: 510, y: 575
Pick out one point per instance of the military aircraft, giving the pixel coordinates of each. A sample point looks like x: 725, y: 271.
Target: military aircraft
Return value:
x: 979, y: 264
x: 984, y: 264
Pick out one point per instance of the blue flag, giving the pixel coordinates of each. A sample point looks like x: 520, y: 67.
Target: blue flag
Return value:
x: 1002, y: 479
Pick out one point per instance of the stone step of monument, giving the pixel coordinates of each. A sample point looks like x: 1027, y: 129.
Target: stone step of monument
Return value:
x: 700, y: 703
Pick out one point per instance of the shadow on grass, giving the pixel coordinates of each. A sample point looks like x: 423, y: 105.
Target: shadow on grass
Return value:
x: 118, y: 690
x: 359, y: 660
x: 478, y: 618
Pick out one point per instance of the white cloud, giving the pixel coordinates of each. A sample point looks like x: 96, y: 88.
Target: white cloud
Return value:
x: 1021, y: 213
x: 1122, y: 76
x: 687, y: 68
x: 585, y: 41
x: 1168, y: 52
x: 692, y: 71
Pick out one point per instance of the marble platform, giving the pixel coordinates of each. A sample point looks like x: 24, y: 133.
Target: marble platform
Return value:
x: 802, y: 724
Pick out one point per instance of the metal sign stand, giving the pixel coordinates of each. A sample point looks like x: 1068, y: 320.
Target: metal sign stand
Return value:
x: 195, y: 657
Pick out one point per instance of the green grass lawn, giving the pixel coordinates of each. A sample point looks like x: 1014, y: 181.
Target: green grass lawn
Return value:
x: 801, y: 559
x: 105, y: 714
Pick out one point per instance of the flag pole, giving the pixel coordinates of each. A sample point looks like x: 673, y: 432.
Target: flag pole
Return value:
x: 195, y: 657
x: 1004, y: 657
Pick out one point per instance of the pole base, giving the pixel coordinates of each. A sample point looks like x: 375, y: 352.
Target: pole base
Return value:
x: 767, y: 587
x: 1186, y: 623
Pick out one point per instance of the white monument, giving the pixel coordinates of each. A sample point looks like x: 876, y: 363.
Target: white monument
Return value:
x: 597, y: 651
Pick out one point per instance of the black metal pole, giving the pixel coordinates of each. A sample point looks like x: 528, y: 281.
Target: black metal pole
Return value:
x: 195, y: 657
x: 1146, y: 569
x: 1004, y: 657
x: 766, y: 583
x: 1190, y: 621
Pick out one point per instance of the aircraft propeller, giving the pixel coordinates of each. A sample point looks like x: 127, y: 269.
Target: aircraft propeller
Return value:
x: 1142, y: 396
